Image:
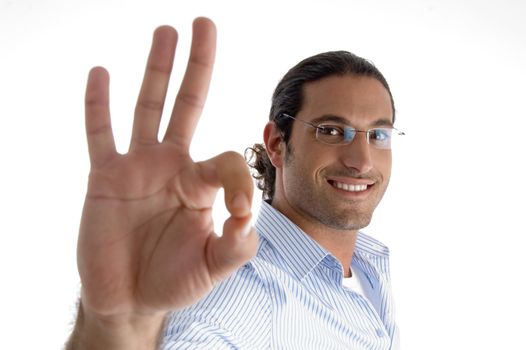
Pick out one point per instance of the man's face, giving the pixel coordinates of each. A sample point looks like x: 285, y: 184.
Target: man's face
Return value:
x: 338, y: 186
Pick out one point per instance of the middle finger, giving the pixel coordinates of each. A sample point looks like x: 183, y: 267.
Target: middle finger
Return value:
x: 194, y: 87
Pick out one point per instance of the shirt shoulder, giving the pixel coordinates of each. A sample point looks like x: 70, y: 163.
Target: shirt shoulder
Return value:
x: 227, y: 317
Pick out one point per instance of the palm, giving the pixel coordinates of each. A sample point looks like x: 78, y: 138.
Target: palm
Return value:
x: 146, y: 242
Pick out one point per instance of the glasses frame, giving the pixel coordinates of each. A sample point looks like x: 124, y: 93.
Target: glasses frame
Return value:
x: 367, y: 132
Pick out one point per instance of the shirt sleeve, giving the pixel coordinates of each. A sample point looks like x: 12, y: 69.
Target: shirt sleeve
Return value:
x: 235, y: 315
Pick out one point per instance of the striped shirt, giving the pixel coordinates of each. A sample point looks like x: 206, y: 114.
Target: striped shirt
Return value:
x: 291, y: 296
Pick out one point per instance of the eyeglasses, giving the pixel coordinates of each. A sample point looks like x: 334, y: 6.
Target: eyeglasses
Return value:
x: 337, y: 134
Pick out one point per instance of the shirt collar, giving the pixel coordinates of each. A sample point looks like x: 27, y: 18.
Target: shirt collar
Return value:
x: 368, y: 245
x: 300, y: 252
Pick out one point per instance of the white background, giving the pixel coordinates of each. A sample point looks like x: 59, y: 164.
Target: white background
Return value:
x: 453, y: 214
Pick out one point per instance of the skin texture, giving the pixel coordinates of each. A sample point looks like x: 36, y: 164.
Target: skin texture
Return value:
x: 146, y: 244
x: 306, y: 169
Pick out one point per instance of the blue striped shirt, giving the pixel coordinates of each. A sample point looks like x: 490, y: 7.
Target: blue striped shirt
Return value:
x: 290, y: 296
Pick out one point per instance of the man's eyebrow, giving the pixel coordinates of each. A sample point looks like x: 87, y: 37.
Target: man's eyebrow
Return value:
x: 341, y: 120
x: 330, y: 118
x: 383, y: 122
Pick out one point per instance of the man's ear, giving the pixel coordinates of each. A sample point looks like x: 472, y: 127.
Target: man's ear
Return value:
x: 274, y: 144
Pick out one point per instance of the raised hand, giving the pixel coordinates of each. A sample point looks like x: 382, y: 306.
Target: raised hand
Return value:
x: 146, y: 243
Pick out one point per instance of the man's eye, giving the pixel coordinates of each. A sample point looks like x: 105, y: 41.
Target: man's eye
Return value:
x: 380, y: 134
x: 330, y: 130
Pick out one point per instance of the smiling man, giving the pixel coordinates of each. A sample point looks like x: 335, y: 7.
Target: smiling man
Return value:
x: 316, y: 282
x: 155, y: 275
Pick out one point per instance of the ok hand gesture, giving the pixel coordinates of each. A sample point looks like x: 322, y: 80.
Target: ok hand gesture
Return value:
x: 146, y: 243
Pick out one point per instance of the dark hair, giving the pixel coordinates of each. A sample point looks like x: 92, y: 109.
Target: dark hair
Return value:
x: 288, y: 98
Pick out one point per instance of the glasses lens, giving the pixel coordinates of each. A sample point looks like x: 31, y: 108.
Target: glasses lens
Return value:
x: 331, y: 134
x: 381, y: 138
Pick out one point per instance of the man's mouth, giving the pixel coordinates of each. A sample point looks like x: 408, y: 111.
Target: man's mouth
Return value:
x: 348, y: 187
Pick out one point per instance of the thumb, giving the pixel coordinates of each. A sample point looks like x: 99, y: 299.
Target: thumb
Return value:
x: 235, y: 247
x: 239, y: 242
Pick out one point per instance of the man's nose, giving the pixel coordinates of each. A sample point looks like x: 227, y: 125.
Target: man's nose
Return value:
x: 357, y: 154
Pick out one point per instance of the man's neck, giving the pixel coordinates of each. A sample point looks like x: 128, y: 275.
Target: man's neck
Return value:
x: 340, y: 243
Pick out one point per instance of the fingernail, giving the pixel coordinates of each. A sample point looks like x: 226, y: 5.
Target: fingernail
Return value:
x: 246, y: 230
x: 240, y: 201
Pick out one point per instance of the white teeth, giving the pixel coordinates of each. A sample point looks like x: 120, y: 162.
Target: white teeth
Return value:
x: 350, y: 188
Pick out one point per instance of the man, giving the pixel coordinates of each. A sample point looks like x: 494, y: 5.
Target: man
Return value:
x: 154, y: 273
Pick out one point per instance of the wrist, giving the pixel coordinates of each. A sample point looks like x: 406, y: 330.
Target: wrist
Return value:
x: 128, y: 332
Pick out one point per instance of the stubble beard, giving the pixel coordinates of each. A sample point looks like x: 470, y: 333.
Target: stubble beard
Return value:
x: 322, y: 207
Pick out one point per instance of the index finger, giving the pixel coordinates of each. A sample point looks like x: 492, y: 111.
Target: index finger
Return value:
x: 194, y: 87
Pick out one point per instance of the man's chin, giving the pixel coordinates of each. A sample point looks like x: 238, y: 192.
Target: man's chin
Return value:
x: 348, y: 222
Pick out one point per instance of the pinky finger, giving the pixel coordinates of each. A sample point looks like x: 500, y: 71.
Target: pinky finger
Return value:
x: 101, y: 144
